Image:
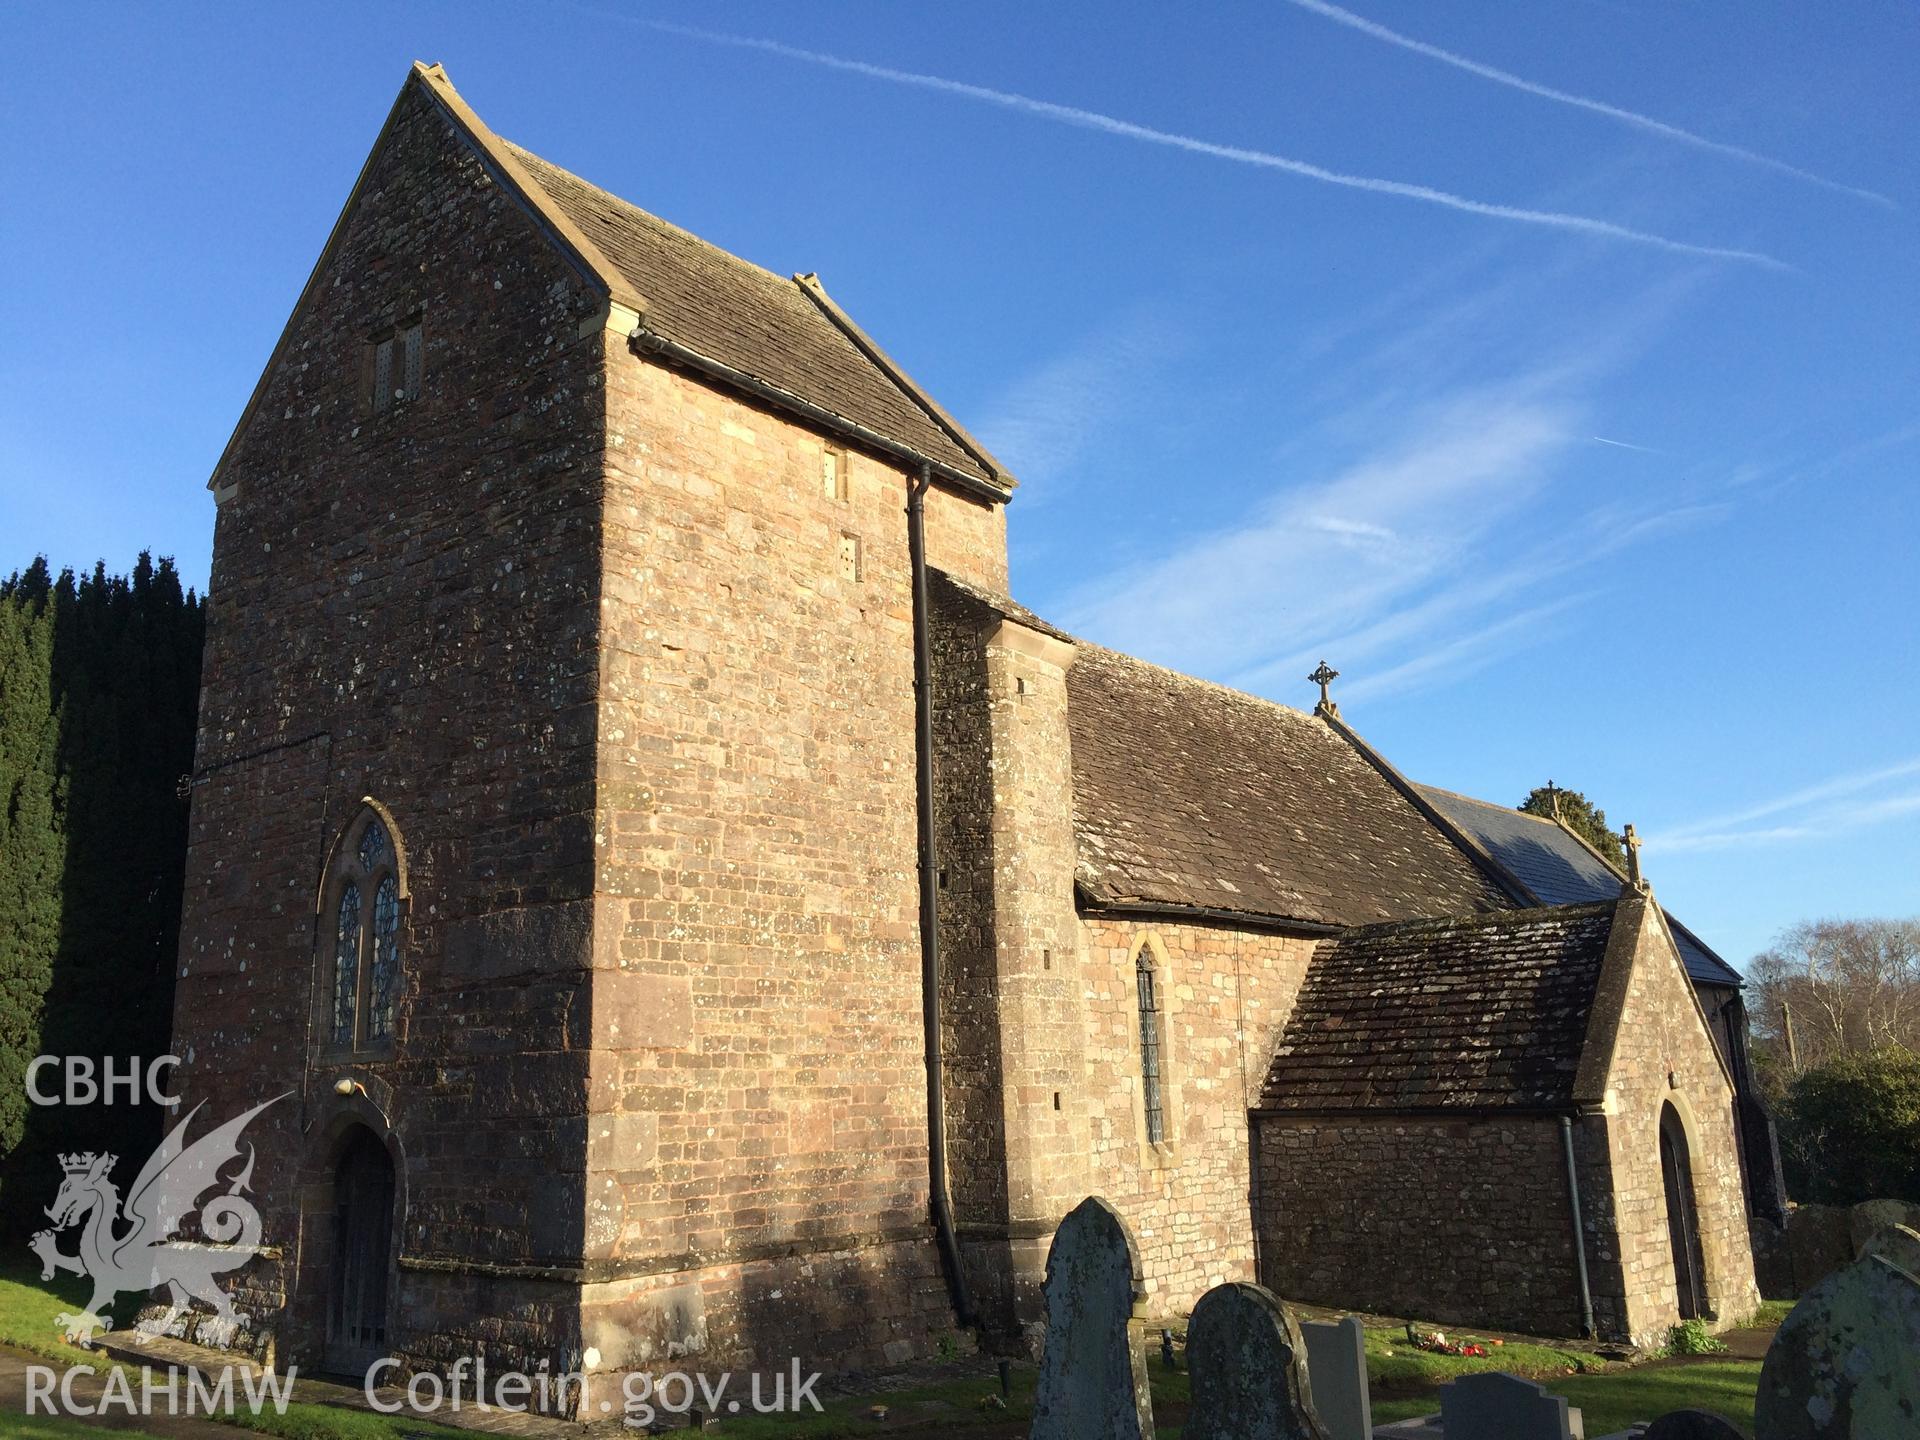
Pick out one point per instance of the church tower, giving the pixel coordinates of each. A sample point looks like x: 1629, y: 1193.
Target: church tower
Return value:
x: 554, y: 830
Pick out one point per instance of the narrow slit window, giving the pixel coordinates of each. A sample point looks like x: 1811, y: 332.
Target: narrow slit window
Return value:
x: 833, y: 473
x: 1153, y: 1103
x: 410, y: 343
x: 383, y: 374
x: 399, y: 365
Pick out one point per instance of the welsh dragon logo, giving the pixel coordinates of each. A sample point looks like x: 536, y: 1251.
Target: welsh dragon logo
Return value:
x: 136, y: 1249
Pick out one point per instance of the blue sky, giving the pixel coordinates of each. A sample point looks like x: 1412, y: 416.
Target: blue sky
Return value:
x: 1618, y: 491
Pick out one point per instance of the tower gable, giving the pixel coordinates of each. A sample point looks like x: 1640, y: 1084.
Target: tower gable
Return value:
x: 426, y: 103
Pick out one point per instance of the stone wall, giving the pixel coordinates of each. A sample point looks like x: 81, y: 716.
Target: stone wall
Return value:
x: 1446, y: 1221
x: 637, y: 694
x: 404, y: 605
x: 1225, y: 995
x: 757, y: 1169
x: 1013, y: 1023
x: 1664, y: 1055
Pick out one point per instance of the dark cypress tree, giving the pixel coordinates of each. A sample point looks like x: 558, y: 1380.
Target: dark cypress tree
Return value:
x: 117, y: 713
x: 32, y: 833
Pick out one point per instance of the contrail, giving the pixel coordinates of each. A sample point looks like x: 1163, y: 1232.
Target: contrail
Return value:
x: 1623, y: 445
x: 1108, y: 124
x: 1581, y: 102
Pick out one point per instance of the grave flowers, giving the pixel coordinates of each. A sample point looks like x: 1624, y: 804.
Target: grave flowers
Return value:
x: 1436, y: 1342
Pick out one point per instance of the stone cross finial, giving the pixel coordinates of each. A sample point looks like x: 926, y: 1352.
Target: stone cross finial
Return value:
x: 1632, y: 842
x: 1323, y: 677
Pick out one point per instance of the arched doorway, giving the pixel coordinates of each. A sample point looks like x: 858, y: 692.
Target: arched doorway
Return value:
x: 1683, y: 1222
x: 363, y: 1191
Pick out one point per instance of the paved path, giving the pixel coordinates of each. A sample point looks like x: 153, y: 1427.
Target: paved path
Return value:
x: 88, y: 1390
x: 160, y: 1353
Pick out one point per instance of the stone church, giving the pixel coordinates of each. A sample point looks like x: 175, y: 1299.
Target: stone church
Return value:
x: 695, y: 916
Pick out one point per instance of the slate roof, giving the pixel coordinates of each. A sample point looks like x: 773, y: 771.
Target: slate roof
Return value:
x: 1191, y: 794
x: 1486, y: 1011
x: 1560, y: 870
x: 769, y: 326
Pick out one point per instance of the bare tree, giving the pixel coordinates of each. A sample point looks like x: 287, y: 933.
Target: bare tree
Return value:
x: 1829, y: 988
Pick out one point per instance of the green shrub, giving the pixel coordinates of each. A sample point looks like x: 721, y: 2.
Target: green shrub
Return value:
x: 1691, y: 1337
x: 1850, y: 1129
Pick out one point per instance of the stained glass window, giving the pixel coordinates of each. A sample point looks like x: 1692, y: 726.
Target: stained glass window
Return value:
x: 364, y: 988
x: 386, y: 960
x: 1152, y: 1101
x: 373, y: 845
x: 346, y: 964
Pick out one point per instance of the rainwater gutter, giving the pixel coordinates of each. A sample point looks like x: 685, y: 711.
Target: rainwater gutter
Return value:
x: 1579, y: 1230
x: 939, y: 1185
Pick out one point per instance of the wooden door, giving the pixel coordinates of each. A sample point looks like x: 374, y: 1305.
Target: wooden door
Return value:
x: 362, y: 1254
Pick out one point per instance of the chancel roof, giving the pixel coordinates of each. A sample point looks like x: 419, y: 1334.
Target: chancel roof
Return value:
x: 1488, y: 1011
x: 1559, y: 869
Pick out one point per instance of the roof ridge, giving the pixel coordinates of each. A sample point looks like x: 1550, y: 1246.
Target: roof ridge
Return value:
x: 1517, y: 915
x: 1232, y: 691
x: 811, y: 286
x: 1485, y: 804
x: 522, y: 152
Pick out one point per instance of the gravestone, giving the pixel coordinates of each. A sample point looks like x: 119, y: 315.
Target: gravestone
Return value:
x: 1249, y: 1369
x: 1496, y: 1406
x: 1337, y: 1366
x: 1093, y: 1382
x: 1899, y: 1244
x: 1870, y: 1217
x: 1845, y: 1364
x: 1820, y: 1239
x: 1693, y: 1425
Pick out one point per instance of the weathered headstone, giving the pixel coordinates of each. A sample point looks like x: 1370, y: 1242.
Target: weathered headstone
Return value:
x: 1497, y: 1406
x: 1899, y: 1244
x: 1249, y: 1369
x: 1870, y: 1217
x: 1846, y: 1362
x: 1337, y: 1366
x: 1093, y: 1384
x: 1772, y: 1259
x: 1693, y: 1425
x: 1820, y: 1238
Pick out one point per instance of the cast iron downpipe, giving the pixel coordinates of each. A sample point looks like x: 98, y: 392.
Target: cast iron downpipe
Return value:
x: 1579, y: 1236
x: 942, y: 1196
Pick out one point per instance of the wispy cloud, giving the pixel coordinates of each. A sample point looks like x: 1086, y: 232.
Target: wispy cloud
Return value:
x: 1838, y: 806
x: 1330, y: 558
x: 1469, y: 653
x: 1581, y: 102
x: 1238, y: 154
x: 1418, y: 540
x: 1043, y: 424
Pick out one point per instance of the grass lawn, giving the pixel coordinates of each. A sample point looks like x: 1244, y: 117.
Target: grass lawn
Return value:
x: 1406, y: 1382
x: 27, y: 1309
x: 1392, y: 1364
x: 43, y: 1427
x: 1614, y: 1399
x: 1611, y: 1396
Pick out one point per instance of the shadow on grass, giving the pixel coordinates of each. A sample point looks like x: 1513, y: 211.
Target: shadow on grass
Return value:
x: 28, y: 1307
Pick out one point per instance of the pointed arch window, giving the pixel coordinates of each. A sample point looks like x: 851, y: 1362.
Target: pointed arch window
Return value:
x: 363, y: 907
x: 1153, y: 1102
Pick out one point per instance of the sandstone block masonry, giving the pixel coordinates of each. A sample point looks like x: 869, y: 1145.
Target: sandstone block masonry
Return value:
x: 620, y: 658
x: 403, y: 606
x: 555, y: 856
